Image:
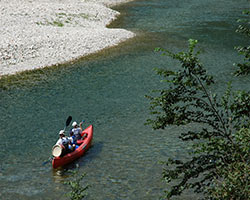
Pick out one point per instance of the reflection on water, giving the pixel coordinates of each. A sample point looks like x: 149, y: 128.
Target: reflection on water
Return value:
x: 107, y: 90
x: 60, y: 175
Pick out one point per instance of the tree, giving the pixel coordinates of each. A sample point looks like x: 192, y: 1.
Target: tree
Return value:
x: 244, y: 28
x: 221, y: 143
x: 77, y: 192
x: 234, y: 178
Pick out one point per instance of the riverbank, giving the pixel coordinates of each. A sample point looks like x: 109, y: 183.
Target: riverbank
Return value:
x: 40, y: 33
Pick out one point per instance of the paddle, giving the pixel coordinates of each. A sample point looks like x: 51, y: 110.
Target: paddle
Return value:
x: 50, y: 159
x: 83, y: 122
x: 66, y: 125
x: 67, y: 122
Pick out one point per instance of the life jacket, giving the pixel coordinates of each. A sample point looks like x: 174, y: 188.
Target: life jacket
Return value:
x: 77, y: 133
x: 65, y: 142
x: 73, y: 139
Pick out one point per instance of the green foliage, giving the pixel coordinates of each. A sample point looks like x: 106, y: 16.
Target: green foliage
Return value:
x: 232, y: 180
x: 57, y: 23
x: 219, y: 145
x: 78, y: 191
x: 244, y: 28
x: 54, y: 23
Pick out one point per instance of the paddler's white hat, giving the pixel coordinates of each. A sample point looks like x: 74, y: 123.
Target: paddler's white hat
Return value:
x: 61, y: 132
x: 74, y: 124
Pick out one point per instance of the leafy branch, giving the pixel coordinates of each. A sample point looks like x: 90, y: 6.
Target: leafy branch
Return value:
x: 220, y: 121
x: 78, y: 191
x: 244, y: 28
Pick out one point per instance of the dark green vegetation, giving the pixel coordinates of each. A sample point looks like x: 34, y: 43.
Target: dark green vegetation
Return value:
x: 77, y: 190
x: 219, y: 162
x: 244, y: 28
x: 108, y: 90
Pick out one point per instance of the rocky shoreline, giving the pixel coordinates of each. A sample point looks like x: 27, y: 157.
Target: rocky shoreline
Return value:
x: 40, y: 33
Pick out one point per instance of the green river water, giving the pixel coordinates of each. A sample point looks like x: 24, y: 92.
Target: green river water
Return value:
x: 107, y: 90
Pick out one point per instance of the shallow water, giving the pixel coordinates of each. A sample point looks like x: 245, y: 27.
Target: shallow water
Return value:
x: 107, y: 90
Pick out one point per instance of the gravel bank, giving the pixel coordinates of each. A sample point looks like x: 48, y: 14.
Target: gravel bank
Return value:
x: 40, y: 33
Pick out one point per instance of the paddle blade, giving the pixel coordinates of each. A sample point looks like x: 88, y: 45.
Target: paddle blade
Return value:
x: 68, y: 121
x: 50, y: 159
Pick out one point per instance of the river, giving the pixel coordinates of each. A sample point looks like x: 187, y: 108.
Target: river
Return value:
x: 107, y: 90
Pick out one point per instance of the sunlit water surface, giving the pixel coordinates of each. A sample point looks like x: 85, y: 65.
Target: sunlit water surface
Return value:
x: 107, y: 90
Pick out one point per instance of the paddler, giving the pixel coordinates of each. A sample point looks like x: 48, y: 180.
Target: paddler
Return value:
x: 73, y: 141
x: 63, y: 140
x: 77, y: 131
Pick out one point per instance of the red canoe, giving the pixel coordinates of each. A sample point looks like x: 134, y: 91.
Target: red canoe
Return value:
x: 83, y: 147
